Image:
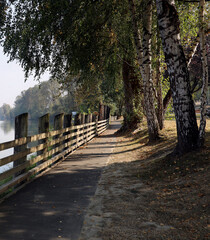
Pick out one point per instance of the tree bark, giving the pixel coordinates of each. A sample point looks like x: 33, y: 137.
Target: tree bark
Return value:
x: 187, y: 129
x: 160, y: 110
x: 204, y: 61
x: 143, y: 50
x: 190, y: 56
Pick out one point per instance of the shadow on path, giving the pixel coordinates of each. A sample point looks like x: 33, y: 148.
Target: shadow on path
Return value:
x: 53, y: 206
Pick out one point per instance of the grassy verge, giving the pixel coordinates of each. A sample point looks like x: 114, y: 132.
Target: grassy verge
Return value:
x: 154, y: 197
x: 171, y: 116
x: 181, y: 187
x: 2, y: 182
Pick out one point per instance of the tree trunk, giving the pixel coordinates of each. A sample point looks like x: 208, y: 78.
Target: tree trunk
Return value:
x: 190, y: 56
x: 205, y: 74
x: 187, y: 129
x: 147, y: 79
x: 160, y: 112
x: 143, y: 50
x: 133, y: 109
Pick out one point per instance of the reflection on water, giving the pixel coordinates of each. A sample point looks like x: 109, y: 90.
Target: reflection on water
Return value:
x: 6, y: 127
x: 7, y: 133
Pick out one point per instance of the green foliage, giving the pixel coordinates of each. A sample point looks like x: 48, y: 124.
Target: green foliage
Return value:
x: 66, y: 38
x: 188, y: 16
x: 39, y: 100
x: 83, y: 44
x: 2, y: 11
x: 197, y: 96
x: 2, y: 182
x: 59, y: 34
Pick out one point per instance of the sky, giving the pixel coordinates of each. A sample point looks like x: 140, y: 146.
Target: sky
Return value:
x: 12, y: 80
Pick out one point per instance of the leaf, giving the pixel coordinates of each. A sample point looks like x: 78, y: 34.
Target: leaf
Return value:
x: 201, y: 195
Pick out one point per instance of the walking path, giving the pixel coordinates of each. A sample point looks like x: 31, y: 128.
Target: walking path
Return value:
x: 53, y: 206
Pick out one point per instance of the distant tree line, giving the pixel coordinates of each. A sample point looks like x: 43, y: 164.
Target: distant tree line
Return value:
x: 39, y: 100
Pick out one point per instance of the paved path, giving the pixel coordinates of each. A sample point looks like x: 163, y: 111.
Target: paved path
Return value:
x: 53, y: 206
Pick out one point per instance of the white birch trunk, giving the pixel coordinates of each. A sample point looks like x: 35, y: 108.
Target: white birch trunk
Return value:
x: 187, y: 129
x: 204, y: 61
x: 193, y: 51
x: 160, y: 110
x: 143, y: 49
x: 189, y: 60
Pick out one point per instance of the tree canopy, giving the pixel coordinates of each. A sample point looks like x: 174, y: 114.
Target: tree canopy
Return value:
x: 110, y: 49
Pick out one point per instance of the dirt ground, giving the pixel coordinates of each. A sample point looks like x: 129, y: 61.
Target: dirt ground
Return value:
x: 143, y: 194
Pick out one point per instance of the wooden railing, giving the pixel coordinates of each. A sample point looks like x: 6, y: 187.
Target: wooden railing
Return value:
x: 50, y: 148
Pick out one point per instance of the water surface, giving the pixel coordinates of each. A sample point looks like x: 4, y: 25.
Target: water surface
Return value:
x: 7, y: 133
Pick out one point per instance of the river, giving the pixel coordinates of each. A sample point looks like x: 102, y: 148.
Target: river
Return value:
x: 7, y: 133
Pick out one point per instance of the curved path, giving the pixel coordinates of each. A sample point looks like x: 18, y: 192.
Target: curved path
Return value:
x: 53, y: 206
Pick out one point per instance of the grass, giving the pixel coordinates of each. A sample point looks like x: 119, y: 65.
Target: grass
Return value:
x: 2, y: 182
x: 171, y: 116
x: 180, y: 185
x: 169, y: 195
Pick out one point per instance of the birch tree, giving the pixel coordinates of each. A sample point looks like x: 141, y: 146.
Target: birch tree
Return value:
x: 187, y: 129
x: 190, y: 38
x: 143, y: 50
x: 205, y: 73
x: 160, y: 109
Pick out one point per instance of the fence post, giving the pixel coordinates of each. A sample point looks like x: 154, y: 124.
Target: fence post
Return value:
x: 58, y: 125
x: 86, y: 129
x: 105, y: 112
x: 96, y: 125
x: 90, y: 118
x: 101, y: 112
x: 83, y: 128
x: 94, y: 120
x: 67, y: 124
x: 109, y: 115
x: 93, y: 117
x: 90, y: 121
x: 44, y: 127
x: 87, y: 118
x: 83, y: 118
x: 21, y: 130
x: 67, y: 120
x: 58, y: 121
x: 77, y: 121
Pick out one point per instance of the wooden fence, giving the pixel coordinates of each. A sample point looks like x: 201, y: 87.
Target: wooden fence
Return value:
x: 50, y: 148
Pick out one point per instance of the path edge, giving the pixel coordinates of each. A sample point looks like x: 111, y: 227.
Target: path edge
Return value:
x: 94, y: 218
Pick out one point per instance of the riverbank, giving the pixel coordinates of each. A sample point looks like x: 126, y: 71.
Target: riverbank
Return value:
x: 145, y: 195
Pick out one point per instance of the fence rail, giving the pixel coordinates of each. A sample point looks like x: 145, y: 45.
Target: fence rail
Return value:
x: 50, y: 148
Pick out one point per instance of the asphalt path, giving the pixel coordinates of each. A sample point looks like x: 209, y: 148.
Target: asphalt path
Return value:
x: 53, y: 206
